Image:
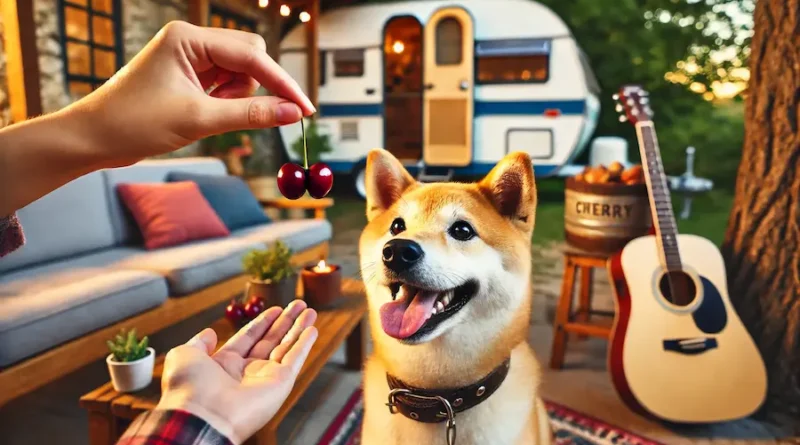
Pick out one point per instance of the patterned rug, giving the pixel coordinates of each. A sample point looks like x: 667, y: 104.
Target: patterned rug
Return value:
x: 570, y: 427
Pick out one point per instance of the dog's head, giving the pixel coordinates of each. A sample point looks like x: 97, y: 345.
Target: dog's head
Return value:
x: 447, y: 259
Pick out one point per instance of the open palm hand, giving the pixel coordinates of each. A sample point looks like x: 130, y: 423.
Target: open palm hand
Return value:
x: 241, y: 386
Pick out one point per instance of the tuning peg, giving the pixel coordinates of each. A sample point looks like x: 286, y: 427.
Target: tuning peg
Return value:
x: 644, y: 101
x: 615, y: 96
x: 623, y: 118
x: 618, y: 108
x: 634, y: 111
x: 648, y: 110
x: 644, y: 93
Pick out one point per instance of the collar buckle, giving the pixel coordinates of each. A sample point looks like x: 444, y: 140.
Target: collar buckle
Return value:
x: 448, y: 409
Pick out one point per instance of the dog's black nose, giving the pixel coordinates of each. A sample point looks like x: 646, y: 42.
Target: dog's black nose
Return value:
x: 400, y: 254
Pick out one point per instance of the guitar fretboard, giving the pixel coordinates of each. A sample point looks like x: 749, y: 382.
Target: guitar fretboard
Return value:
x: 663, y: 216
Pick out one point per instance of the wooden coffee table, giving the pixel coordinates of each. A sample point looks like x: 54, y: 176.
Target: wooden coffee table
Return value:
x: 111, y: 412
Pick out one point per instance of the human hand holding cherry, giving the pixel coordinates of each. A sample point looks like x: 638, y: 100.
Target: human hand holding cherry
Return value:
x: 294, y: 180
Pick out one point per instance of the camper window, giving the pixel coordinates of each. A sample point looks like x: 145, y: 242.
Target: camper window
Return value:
x: 512, y: 61
x: 448, y: 42
x: 348, y: 63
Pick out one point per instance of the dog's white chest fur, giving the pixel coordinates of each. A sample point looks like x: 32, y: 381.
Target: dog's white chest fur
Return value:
x: 510, y: 416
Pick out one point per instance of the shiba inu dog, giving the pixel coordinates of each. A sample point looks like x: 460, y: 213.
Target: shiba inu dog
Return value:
x: 447, y: 271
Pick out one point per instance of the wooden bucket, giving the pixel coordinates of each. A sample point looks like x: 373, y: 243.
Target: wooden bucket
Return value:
x: 604, y: 217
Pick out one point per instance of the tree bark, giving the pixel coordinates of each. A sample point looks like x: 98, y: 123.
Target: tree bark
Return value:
x: 762, y: 243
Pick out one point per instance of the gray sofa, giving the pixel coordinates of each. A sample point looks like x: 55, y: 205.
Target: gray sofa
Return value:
x: 83, y: 267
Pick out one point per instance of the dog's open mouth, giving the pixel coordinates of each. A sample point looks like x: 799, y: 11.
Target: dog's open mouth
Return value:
x: 415, y: 312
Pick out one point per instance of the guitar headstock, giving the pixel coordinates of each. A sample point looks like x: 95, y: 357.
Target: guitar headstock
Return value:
x: 633, y: 104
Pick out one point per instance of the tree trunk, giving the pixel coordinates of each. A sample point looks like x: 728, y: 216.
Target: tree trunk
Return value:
x: 762, y: 243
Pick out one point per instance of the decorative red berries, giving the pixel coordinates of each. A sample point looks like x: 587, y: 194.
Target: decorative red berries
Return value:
x: 235, y: 313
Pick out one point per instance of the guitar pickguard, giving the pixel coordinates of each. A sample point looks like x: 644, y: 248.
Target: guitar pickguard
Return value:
x: 711, y: 316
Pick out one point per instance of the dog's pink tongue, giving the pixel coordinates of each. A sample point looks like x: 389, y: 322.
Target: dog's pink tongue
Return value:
x: 403, y: 317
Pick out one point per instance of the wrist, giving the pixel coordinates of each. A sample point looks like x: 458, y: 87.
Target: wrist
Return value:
x: 181, y: 402
x: 95, y: 148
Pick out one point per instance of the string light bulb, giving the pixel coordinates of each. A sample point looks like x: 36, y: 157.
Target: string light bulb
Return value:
x: 263, y: 3
x: 305, y: 17
x: 285, y: 10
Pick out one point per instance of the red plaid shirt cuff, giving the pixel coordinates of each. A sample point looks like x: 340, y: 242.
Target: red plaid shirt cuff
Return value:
x: 170, y: 427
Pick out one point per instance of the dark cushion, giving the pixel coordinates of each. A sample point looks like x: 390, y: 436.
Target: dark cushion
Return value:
x: 229, y: 196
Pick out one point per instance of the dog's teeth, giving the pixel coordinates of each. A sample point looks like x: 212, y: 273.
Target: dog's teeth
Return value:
x: 434, y: 310
x: 446, y: 299
x: 439, y: 306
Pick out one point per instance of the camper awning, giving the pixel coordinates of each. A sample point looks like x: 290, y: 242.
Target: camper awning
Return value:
x: 512, y: 47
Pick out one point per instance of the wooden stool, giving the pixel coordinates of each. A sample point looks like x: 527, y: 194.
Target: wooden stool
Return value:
x: 577, y: 323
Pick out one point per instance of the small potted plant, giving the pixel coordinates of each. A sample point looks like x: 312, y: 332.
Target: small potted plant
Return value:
x: 317, y: 144
x: 273, y: 282
x: 131, y: 361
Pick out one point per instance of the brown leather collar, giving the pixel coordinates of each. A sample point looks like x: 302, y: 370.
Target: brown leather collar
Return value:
x: 439, y: 405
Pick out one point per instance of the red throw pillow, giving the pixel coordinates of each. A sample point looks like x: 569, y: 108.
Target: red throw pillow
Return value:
x: 172, y: 213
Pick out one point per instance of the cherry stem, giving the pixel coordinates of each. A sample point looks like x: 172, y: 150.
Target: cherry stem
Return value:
x: 305, y: 147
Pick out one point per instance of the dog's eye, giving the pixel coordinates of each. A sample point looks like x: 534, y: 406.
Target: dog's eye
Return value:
x: 398, y: 225
x: 462, y: 231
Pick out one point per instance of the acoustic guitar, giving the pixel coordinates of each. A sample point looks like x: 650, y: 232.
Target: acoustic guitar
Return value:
x: 679, y: 351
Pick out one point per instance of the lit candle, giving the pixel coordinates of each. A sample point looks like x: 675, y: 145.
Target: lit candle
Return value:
x: 322, y: 284
x: 321, y: 267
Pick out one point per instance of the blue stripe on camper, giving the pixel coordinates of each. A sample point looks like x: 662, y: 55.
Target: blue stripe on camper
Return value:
x: 339, y: 110
x: 531, y: 107
x: 482, y: 108
x: 478, y: 168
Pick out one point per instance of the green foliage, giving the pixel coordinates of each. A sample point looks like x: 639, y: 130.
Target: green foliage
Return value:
x: 640, y: 41
x: 717, y: 136
x: 269, y: 265
x: 126, y: 347
x: 317, y: 144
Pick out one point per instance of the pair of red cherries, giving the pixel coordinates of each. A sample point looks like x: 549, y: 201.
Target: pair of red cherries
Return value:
x: 294, y: 180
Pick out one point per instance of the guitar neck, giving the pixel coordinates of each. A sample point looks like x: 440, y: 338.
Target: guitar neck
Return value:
x: 660, y: 200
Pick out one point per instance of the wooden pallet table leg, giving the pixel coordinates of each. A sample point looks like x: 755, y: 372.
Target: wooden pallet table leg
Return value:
x: 356, y: 344
x: 562, y: 315
x: 102, y: 429
x: 585, y: 297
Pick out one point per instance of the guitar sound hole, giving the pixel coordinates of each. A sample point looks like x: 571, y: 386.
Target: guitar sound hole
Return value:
x: 682, y: 290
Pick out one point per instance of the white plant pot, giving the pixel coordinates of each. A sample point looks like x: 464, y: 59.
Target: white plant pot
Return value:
x: 132, y: 376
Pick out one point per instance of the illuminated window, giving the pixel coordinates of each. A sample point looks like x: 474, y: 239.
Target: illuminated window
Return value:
x: 222, y: 18
x: 512, y: 61
x: 449, y: 46
x: 348, y: 63
x: 91, y: 43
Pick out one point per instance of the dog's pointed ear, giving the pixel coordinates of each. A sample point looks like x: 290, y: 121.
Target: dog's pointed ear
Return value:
x: 386, y: 179
x: 511, y: 188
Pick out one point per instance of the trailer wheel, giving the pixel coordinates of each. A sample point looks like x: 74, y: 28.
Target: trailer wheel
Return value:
x: 359, y: 180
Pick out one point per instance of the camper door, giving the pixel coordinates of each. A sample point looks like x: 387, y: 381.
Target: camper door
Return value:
x: 449, y: 73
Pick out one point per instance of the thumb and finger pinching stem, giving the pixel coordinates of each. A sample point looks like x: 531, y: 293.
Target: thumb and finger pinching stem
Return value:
x: 294, y: 180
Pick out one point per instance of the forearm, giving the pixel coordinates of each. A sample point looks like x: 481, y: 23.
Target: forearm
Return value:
x: 42, y: 154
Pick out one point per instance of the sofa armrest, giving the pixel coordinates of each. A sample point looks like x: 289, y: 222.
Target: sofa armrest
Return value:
x: 317, y: 205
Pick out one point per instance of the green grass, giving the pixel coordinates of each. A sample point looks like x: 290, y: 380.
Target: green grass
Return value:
x: 709, y: 216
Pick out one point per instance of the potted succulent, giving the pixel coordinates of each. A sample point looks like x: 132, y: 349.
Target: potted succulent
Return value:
x: 273, y: 282
x: 131, y: 361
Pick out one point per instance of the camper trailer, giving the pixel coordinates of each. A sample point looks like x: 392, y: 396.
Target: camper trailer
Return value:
x: 449, y: 87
